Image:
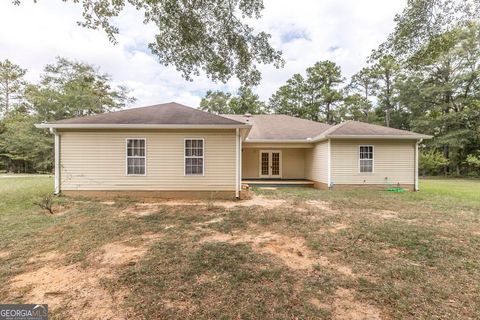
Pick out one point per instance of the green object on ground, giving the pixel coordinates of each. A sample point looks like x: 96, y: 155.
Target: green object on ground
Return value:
x: 396, y: 190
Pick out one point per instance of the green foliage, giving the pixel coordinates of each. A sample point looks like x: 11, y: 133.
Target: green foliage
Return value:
x: 314, y: 97
x: 473, y: 161
x: 12, y: 86
x: 363, y: 82
x: 245, y: 101
x: 67, y: 89
x: 208, y: 36
x: 432, y: 162
x: 24, y: 148
x: 71, y: 89
x: 358, y: 108
x: 386, y: 72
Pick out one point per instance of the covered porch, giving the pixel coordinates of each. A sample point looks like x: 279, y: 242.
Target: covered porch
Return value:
x: 276, y: 164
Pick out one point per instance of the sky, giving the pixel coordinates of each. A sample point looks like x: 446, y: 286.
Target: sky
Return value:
x: 306, y: 31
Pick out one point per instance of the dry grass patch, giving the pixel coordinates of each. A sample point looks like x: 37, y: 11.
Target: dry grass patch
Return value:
x: 285, y: 254
x: 293, y: 252
x: 346, y: 307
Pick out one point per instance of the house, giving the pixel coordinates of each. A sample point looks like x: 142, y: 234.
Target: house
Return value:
x: 171, y: 150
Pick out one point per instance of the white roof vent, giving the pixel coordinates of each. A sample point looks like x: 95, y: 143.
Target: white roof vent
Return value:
x: 248, y: 115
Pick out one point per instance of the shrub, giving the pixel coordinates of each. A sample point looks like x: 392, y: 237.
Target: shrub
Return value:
x: 431, y: 162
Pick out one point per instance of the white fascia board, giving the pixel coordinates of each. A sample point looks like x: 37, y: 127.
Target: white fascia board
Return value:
x: 277, y: 141
x: 378, y: 137
x: 140, y: 126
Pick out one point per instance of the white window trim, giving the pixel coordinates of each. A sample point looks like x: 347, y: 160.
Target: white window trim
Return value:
x: 373, y: 158
x: 126, y: 158
x: 185, y: 157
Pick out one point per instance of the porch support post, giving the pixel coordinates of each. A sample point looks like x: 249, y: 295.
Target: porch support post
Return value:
x: 57, y: 161
x: 237, y: 160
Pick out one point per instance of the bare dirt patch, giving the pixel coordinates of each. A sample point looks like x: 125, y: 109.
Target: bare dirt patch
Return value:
x: 322, y: 205
x: 60, y: 209
x: 71, y: 285
x: 215, y: 220
x: 178, y: 305
x: 346, y: 307
x: 292, y: 251
x: 4, y: 254
x: 77, y: 287
x: 46, y: 257
x: 115, y: 254
x: 317, y: 303
x: 141, y: 209
x: 144, y: 209
x: 338, y: 227
x: 386, y: 214
x: 254, y: 201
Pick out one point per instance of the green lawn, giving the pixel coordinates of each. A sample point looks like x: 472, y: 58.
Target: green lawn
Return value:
x: 299, y: 254
x: 457, y: 189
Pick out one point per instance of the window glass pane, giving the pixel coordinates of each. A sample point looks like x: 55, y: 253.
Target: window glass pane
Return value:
x: 188, y: 167
x: 194, y: 157
x: 366, y: 165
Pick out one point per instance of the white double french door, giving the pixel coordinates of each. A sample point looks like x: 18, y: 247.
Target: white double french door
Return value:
x: 270, y: 164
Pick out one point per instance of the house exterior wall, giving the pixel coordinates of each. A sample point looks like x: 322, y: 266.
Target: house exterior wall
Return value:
x: 96, y: 160
x: 293, y: 162
x: 316, y: 163
x: 393, y: 159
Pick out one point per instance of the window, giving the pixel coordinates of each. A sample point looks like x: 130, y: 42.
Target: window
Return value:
x: 193, y: 157
x: 136, y: 156
x: 366, y: 159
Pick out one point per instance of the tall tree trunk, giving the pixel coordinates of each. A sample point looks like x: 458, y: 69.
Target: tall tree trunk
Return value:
x: 446, y: 153
x: 387, y: 102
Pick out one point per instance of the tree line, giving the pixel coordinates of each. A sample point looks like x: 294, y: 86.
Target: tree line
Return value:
x: 66, y: 89
x: 424, y: 78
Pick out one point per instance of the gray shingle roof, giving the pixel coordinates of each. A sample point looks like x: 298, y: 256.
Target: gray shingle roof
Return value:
x: 264, y: 127
x: 166, y: 113
x: 280, y: 127
x: 356, y: 128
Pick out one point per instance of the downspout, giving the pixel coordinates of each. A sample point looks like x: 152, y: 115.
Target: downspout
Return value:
x: 56, y: 160
x: 416, y: 163
x: 240, y: 162
x: 237, y: 191
x: 329, y: 165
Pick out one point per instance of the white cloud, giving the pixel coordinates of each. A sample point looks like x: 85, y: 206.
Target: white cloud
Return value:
x: 307, y: 31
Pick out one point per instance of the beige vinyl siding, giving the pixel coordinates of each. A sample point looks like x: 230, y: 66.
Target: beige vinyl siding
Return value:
x: 316, y: 162
x: 393, y: 159
x: 293, y: 162
x: 95, y: 160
